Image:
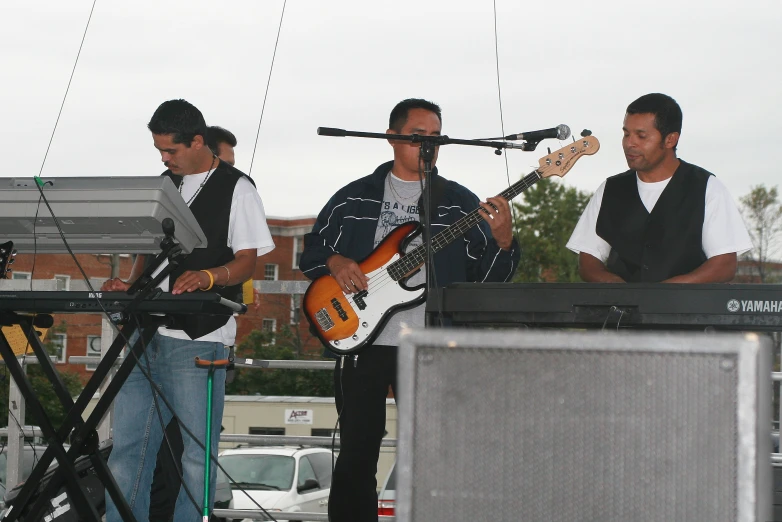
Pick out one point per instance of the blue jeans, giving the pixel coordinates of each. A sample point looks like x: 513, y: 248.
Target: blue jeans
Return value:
x: 138, y: 431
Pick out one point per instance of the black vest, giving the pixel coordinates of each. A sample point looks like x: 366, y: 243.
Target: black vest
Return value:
x: 653, y: 247
x: 212, y: 210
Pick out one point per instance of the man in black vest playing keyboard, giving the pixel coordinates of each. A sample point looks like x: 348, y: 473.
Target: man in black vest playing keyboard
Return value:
x: 664, y: 220
x: 230, y: 213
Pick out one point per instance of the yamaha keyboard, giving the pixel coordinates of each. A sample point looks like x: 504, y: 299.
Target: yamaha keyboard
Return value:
x: 207, y: 303
x: 611, y: 305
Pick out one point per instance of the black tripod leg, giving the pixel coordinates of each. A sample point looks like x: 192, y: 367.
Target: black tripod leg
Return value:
x: 81, y: 433
x: 76, y: 492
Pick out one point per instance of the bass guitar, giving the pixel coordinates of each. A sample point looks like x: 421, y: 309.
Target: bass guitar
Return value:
x: 347, y: 322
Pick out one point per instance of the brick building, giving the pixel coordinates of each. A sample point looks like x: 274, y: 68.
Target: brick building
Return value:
x: 79, y: 334
x: 749, y: 272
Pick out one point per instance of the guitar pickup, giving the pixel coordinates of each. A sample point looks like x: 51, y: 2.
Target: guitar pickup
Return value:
x: 340, y: 311
x: 324, y: 320
x: 359, y: 299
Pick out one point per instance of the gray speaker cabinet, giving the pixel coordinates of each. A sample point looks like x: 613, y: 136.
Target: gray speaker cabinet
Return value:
x: 573, y: 426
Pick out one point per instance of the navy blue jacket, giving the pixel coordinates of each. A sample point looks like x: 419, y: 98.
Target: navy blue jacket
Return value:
x: 348, y: 222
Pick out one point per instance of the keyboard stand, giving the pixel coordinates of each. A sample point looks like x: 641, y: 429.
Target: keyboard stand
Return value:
x: 84, y: 439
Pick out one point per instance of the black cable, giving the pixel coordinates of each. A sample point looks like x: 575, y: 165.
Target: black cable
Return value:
x: 27, y: 347
x: 98, y: 301
x: 138, y: 363
x: 268, y: 82
x: 65, y: 242
x: 502, y: 120
x: 49, y: 506
x: 177, y: 465
x: 73, y: 71
x: 158, y: 393
x: 339, y: 416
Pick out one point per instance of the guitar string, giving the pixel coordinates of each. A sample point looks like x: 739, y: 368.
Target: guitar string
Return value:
x: 404, y: 264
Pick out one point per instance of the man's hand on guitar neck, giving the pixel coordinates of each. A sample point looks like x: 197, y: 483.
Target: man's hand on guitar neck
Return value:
x: 496, y: 212
x: 347, y: 273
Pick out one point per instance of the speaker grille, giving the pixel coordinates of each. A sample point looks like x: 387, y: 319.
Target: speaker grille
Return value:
x: 564, y: 435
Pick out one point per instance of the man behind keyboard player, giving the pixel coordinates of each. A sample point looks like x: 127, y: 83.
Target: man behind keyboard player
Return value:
x: 230, y: 212
x: 664, y: 220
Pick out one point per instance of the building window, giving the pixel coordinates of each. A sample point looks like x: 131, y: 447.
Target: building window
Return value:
x: 93, y: 350
x: 20, y: 275
x: 298, y: 248
x: 60, y: 343
x: 295, y: 308
x: 63, y: 282
x: 269, y: 325
x: 271, y: 272
x: 267, y: 431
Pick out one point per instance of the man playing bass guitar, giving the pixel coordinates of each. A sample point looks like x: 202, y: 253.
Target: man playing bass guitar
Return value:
x: 354, y: 223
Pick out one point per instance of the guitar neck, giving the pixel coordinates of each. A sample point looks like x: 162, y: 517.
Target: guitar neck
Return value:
x: 417, y: 257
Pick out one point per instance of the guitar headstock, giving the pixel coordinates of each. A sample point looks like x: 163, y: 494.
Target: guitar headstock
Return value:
x: 559, y: 162
x: 7, y: 255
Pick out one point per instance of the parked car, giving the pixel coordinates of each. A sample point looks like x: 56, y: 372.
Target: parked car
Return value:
x: 289, y: 478
x: 386, y: 499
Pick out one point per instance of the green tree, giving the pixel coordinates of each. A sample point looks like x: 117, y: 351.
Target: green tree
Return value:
x: 282, y: 346
x: 545, y: 218
x: 762, y: 213
x: 43, y: 388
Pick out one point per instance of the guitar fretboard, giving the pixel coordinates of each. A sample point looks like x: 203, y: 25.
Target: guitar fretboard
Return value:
x: 417, y: 257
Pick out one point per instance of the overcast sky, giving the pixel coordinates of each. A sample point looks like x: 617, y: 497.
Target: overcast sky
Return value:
x: 346, y: 63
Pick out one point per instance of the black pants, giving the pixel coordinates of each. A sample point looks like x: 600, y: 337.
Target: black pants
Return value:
x: 166, y: 481
x: 360, y: 393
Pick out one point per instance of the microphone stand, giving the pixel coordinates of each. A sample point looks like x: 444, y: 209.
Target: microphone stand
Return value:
x: 428, y: 145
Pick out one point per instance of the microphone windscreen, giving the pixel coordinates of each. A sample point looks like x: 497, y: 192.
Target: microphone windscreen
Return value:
x: 329, y: 131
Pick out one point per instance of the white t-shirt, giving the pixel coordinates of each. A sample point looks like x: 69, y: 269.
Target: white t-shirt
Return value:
x: 723, y: 228
x: 247, y: 229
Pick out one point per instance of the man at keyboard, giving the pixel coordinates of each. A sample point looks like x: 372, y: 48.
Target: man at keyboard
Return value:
x: 664, y: 220
x: 230, y: 213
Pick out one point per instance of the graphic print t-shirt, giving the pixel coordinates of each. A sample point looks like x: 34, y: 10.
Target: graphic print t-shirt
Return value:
x: 400, y: 206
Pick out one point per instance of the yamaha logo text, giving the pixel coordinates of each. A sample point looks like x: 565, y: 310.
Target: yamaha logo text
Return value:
x: 734, y: 305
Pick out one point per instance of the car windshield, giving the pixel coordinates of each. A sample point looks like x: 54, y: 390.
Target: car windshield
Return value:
x: 260, y: 471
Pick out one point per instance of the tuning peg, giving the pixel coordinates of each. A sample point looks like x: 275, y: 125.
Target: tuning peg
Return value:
x: 548, y: 149
x: 585, y: 133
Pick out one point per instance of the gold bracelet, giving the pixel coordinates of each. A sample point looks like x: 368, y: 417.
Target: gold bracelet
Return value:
x: 211, y: 281
x: 228, y: 272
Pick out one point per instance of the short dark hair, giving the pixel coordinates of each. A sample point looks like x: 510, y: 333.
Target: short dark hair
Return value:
x: 398, y: 116
x: 216, y: 135
x: 180, y: 118
x: 667, y: 113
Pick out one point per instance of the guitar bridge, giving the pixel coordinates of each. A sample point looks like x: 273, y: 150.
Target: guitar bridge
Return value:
x: 324, y: 320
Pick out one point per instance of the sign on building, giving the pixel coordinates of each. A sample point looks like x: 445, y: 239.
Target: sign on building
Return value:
x: 299, y: 416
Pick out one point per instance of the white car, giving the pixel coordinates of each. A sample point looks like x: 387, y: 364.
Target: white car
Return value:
x: 290, y: 478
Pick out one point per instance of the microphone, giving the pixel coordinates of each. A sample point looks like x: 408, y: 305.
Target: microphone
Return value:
x: 559, y: 132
